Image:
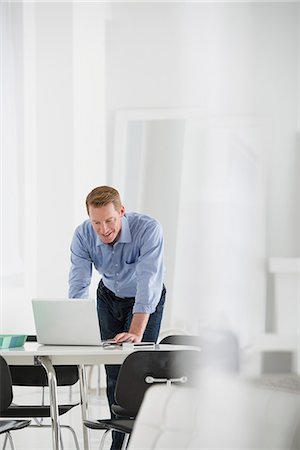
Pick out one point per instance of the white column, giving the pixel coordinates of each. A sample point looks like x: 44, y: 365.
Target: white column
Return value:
x: 30, y: 158
x: 89, y: 163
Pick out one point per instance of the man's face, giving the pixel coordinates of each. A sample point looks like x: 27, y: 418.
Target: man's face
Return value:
x: 106, y: 221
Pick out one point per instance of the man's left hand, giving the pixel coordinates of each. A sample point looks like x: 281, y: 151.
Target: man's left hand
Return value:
x: 127, y: 337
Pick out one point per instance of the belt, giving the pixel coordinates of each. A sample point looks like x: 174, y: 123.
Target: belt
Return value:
x: 117, y: 297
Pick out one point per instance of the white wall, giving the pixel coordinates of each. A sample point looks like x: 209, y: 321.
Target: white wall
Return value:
x: 231, y: 60
x: 224, y: 59
x: 237, y: 60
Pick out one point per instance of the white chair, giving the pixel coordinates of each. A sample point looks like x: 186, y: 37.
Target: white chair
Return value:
x: 223, y: 413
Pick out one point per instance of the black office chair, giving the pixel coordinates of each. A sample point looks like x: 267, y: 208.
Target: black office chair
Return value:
x: 6, y: 397
x: 35, y: 376
x: 140, y: 370
x: 219, y: 348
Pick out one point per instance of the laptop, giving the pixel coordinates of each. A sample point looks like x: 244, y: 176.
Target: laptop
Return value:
x: 66, y: 321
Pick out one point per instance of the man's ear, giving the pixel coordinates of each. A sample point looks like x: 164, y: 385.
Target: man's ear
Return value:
x: 122, y: 211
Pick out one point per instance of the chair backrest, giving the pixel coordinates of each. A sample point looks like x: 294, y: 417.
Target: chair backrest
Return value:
x: 219, y: 348
x: 6, y: 394
x: 36, y: 375
x: 182, y: 339
x: 218, y: 414
x: 142, y: 369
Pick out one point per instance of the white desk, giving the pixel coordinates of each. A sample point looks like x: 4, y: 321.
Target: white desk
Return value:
x: 33, y: 353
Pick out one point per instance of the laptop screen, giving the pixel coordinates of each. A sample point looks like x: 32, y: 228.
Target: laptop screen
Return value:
x: 66, y: 321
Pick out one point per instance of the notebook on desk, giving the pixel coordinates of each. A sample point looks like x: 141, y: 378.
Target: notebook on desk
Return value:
x: 66, y: 322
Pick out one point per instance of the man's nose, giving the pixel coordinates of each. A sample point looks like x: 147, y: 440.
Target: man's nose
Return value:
x: 103, y: 228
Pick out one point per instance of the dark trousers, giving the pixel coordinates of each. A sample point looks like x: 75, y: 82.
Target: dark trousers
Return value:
x: 115, y: 316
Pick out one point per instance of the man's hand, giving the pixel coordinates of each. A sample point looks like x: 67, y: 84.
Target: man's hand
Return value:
x: 127, y: 337
x: 136, y: 330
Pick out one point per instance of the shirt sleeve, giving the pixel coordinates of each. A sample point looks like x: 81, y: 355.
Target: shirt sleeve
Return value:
x: 149, y: 270
x: 81, y: 267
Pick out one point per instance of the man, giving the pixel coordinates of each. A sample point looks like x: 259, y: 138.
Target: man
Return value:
x: 127, y: 250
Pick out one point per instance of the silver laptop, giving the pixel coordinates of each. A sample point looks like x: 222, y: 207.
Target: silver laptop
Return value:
x: 66, y: 321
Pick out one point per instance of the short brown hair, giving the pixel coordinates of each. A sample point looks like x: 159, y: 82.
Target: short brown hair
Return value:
x: 103, y: 195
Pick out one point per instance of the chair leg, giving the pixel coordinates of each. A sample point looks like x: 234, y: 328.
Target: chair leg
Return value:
x: 70, y: 394
x: 73, y: 434
x: 125, y: 441
x: 103, y: 439
x: 43, y: 402
x: 89, y: 378
x: 43, y: 395
x: 38, y: 422
x: 60, y: 438
x: 8, y: 437
x: 5, y: 441
x: 98, y: 380
x: 89, y: 382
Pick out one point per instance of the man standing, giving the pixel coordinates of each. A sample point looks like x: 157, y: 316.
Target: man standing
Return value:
x: 127, y: 250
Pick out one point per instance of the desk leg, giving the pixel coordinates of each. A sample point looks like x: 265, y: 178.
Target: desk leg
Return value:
x: 47, y: 364
x: 84, y: 405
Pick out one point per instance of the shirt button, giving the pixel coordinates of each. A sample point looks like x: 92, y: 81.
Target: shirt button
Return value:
x: 116, y: 265
x: 117, y: 274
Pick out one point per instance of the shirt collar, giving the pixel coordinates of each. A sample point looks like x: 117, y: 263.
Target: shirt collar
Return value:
x: 125, y: 236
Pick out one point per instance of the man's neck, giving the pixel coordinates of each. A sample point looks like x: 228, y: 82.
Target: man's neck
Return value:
x: 116, y: 239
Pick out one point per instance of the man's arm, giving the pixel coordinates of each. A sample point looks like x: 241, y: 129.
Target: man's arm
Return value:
x: 149, y: 270
x: 81, y: 268
x: 137, y: 327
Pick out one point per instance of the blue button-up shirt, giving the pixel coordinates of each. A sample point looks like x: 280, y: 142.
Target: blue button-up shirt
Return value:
x: 132, y: 267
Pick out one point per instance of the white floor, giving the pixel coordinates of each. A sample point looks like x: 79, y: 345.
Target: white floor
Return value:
x: 41, y: 439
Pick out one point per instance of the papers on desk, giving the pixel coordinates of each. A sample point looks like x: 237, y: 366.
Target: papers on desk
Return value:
x: 128, y: 345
